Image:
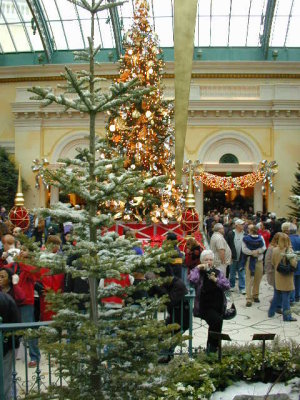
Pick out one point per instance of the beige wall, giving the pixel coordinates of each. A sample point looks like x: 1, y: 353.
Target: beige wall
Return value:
x: 265, y: 113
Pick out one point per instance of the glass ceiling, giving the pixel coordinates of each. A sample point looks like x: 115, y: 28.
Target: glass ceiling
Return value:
x: 220, y: 23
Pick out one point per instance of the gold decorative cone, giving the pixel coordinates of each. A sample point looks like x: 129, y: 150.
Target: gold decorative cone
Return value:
x: 190, y: 197
x: 19, y: 199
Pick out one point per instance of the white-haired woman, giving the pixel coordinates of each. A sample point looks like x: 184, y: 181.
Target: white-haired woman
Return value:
x: 210, y: 301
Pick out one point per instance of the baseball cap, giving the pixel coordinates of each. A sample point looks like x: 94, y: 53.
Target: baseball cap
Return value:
x: 239, y: 222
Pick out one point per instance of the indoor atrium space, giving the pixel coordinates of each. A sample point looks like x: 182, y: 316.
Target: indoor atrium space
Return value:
x: 149, y: 199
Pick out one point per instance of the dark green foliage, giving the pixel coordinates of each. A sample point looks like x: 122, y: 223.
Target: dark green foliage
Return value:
x: 199, y: 378
x: 8, y: 180
x: 294, y: 199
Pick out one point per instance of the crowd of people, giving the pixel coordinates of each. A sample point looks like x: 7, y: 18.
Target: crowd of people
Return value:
x: 248, y: 245
x: 242, y: 246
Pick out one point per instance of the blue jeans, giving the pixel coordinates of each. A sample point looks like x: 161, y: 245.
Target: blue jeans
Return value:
x: 285, y: 304
x: 295, y: 294
x: 27, y: 315
x: 236, y: 267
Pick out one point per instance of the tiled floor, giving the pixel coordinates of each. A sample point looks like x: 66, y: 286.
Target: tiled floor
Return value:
x: 250, y: 320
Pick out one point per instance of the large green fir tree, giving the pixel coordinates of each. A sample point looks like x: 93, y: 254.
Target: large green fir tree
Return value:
x: 8, y: 180
x: 295, y: 198
x: 109, y: 354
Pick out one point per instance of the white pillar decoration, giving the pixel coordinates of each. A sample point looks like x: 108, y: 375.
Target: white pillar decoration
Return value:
x: 199, y: 196
x: 258, y: 197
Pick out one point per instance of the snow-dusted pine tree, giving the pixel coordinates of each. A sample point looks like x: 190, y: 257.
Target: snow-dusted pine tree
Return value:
x: 104, y: 353
x: 295, y: 198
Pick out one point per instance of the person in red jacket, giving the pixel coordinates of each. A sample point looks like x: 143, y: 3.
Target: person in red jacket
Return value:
x: 114, y: 301
x: 28, y: 275
x: 265, y: 233
x: 49, y: 281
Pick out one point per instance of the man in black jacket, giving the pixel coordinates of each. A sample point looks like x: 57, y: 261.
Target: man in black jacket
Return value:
x: 177, y: 313
x: 9, y: 313
x: 234, y: 239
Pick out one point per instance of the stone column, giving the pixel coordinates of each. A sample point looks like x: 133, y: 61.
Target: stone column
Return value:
x: 258, y: 198
x: 54, y: 195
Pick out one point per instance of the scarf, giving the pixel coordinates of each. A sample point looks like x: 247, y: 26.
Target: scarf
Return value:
x: 252, y: 243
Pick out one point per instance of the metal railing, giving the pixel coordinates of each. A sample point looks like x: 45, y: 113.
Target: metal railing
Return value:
x: 24, y: 383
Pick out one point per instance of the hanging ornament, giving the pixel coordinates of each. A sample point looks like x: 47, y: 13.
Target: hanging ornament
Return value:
x: 136, y: 114
x: 269, y: 169
x: 38, y: 168
x: 112, y: 128
x: 148, y: 114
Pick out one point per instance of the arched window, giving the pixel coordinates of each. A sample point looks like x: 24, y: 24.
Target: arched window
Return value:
x: 228, y: 158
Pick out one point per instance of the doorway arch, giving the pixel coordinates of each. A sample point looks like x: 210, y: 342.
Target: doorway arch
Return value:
x: 66, y: 148
x: 242, y: 148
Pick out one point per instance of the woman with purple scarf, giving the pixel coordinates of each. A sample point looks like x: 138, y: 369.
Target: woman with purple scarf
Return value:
x: 253, y: 248
x: 210, y: 301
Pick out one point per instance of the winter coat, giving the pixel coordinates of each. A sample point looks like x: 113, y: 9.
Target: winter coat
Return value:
x: 283, y: 282
x: 230, y: 240
x: 196, y: 278
x: 295, y: 241
x: 28, y: 275
x: 269, y: 269
x: 176, y: 290
x: 18, y: 294
x: 10, y: 314
x: 49, y: 282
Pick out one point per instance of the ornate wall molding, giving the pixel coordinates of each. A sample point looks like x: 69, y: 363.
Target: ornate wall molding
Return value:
x: 9, y: 146
x: 245, y: 149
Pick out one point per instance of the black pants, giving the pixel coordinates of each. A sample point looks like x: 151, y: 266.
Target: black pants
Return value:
x: 214, y: 319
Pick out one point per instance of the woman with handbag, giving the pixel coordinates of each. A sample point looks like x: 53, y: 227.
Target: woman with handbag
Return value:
x: 284, y: 266
x: 210, y: 301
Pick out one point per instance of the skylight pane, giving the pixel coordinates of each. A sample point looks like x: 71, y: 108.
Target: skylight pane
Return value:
x: 50, y: 10
x: 204, y: 28
x: 108, y: 41
x: 254, y: 31
x: 219, y: 31
x: 258, y: 7
x: 220, y: 7
x: 73, y: 34
x: 6, y: 42
x: 126, y: 10
x: 204, y: 7
x: 240, y: 7
x: 238, y: 31
x: 293, y: 39
x: 162, y: 8
x: 35, y: 39
x: 164, y: 30
x: 66, y: 9
x: 284, y: 7
x: 20, y: 38
x: 59, y: 36
x: 24, y: 10
x: 279, y: 31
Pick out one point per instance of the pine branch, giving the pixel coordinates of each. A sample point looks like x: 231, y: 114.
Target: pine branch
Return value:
x: 74, y: 82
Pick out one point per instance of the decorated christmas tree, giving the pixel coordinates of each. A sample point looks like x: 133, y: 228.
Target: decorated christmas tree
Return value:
x: 295, y: 198
x: 102, y: 352
x: 143, y: 131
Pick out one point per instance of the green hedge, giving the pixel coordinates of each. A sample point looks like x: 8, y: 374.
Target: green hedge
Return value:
x: 200, y: 377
